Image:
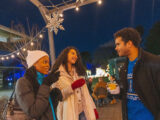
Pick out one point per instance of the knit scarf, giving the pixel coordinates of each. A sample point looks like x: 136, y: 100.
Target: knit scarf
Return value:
x: 40, y: 78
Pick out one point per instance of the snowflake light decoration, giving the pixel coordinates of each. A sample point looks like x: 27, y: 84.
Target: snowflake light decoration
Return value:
x: 54, y: 22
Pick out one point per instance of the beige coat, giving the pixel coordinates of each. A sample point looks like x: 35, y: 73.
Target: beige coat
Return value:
x: 68, y: 108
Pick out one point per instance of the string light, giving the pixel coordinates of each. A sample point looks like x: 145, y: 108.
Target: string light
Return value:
x: 12, y: 56
x: 18, y: 53
x: 61, y: 14
x: 5, y: 57
x: 24, y: 49
x: 37, y: 35
x: 41, y: 36
x: 77, y: 8
x: 2, y: 58
x: 99, y: 2
x: 32, y: 43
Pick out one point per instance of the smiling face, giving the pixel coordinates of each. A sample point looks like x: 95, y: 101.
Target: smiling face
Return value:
x: 122, y: 48
x: 72, y: 56
x: 42, y: 65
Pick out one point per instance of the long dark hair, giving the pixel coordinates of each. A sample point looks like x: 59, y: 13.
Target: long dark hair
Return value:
x: 63, y: 57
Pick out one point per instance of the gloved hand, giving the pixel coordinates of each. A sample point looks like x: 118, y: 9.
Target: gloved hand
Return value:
x: 78, y: 83
x: 51, y: 78
x: 96, y: 114
x: 56, y: 96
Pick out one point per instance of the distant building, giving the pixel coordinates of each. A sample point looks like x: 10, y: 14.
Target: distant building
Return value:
x: 8, y: 37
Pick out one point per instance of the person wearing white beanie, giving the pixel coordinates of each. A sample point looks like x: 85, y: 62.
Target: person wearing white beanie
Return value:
x: 33, y: 92
x: 34, y: 56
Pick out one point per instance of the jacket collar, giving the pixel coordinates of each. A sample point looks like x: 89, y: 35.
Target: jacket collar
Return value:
x: 140, y: 55
x: 63, y: 72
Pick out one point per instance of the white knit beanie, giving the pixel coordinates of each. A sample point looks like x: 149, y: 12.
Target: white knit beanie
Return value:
x: 34, y: 56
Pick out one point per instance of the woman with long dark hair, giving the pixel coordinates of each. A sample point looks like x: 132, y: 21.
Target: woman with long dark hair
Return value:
x: 77, y: 103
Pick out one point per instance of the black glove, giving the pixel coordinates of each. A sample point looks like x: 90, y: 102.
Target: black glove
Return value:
x: 56, y: 96
x: 56, y: 93
x: 51, y: 78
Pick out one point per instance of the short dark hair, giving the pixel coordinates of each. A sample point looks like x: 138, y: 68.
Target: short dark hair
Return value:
x: 129, y: 34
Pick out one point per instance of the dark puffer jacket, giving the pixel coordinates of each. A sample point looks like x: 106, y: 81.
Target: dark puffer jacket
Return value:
x: 34, y: 99
x: 146, y: 82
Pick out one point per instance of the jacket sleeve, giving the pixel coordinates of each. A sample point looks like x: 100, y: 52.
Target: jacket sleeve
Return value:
x: 86, y: 93
x: 65, y: 88
x: 33, y: 106
x: 156, y: 71
x: 121, y: 82
x: 95, y: 89
x: 157, y: 79
x: 158, y: 116
x: 94, y: 94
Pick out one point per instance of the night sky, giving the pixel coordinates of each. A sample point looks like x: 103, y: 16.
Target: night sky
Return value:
x: 92, y: 26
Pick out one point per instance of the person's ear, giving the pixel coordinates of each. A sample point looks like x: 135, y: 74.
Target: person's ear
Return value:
x: 129, y: 44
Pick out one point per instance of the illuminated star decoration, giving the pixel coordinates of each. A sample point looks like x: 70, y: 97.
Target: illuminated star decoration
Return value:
x: 55, y: 22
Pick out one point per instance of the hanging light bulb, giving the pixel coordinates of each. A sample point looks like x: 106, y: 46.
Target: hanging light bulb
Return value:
x: 7, y: 57
x: 2, y: 58
x: 18, y: 53
x: 99, y: 2
x: 12, y: 56
x: 41, y: 36
x: 61, y: 14
x: 24, y: 49
x: 77, y: 8
x: 32, y: 43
